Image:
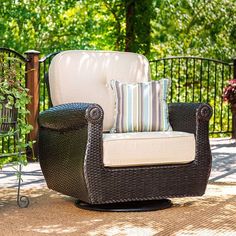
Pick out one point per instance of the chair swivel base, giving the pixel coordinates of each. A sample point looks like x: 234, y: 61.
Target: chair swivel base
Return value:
x: 152, y: 205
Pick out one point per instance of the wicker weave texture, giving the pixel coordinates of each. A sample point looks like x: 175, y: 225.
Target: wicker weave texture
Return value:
x: 71, y: 158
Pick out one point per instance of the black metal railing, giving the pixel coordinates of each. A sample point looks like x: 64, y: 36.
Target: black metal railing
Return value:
x: 197, y: 79
x: 193, y: 79
x: 44, y: 100
x: 15, y: 61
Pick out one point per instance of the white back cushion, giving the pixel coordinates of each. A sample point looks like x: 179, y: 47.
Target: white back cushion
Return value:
x: 84, y: 76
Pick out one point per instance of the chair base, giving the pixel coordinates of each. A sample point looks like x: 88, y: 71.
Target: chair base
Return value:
x: 152, y: 205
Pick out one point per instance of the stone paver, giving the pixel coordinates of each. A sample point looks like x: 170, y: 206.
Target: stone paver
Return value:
x: 31, y: 175
x: 223, y: 167
x: 223, y: 160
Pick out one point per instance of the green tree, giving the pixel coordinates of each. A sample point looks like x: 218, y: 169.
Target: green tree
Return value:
x: 155, y: 28
x: 49, y: 25
x: 193, y: 27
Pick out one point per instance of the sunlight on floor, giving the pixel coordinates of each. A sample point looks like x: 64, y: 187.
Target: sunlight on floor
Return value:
x: 126, y: 229
x: 219, y: 190
x: 52, y: 229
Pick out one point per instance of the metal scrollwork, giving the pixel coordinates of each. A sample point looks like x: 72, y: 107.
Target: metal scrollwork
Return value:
x: 23, y: 201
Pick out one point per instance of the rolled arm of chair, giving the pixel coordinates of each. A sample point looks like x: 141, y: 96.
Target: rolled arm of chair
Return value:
x: 70, y: 116
x: 189, y: 117
x: 66, y: 133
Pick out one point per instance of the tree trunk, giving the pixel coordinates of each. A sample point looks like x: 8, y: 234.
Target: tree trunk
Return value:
x: 130, y: 19
x: 138, y: 26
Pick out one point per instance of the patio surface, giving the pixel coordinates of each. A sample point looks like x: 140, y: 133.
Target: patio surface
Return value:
x: 210, y: 215
x: 223, y: 167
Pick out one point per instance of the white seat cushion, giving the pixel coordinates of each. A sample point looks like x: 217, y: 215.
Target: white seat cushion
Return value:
x: 148, y: 148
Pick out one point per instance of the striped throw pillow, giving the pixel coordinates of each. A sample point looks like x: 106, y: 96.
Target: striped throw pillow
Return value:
x: 141, y: 107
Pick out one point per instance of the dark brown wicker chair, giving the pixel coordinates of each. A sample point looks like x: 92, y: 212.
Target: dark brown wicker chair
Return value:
x: 71, y: 158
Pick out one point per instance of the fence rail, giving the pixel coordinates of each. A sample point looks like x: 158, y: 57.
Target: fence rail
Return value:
x: 197, y: 79
x: 11, y: 59
x: 193, y: 79
x: 45, y: 101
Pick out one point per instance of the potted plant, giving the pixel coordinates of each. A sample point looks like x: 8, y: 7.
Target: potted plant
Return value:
x: 229, y: 95
x: 13, y: 110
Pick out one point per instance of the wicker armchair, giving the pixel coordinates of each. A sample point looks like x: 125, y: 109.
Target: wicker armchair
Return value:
x: 71, y: 152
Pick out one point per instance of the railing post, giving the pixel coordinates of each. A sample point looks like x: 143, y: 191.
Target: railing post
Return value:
x: 234, y: 68
x: 233, y: 106
x: 32, y: 83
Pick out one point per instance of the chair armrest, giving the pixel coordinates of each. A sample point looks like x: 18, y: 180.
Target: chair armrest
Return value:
x: 187, y: 117
x: 70, y: 116
x: 65, y: 134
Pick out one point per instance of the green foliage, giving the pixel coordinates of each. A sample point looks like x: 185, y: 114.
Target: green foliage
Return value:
x: 13, y: 101
x: 50, y: 26
x: 195, y: 27
x: 170, y: 27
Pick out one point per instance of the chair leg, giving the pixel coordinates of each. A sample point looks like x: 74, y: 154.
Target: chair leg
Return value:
x: 152, y: 205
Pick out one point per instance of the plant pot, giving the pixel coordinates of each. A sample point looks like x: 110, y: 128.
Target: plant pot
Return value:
x: 8, y: 117
x: 233, y: 110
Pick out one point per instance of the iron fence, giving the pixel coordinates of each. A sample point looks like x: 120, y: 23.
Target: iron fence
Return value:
x: 44, y: 101
x: 11, y: 59
x: 197, y: 79
x: 193, y: 79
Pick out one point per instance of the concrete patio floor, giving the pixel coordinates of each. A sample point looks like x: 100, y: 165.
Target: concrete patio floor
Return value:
x: 223, y: 167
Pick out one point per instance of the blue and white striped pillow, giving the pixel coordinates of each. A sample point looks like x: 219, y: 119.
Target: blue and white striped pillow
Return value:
x: 141, y: 107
